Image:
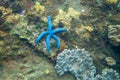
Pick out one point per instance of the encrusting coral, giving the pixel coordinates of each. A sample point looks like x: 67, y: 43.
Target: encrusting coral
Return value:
x: 8, y: 15
x: 66, y: 17
x: 5, y: 11
x: 13, y: 18
x: 38, y: 8
x: 85, y: 30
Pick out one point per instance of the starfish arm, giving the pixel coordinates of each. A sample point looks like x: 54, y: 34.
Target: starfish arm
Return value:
x: 59, y: 30
x: 57, y: 40
x: 48, y: 43
x: 40, y: 36
x: 49, y: 23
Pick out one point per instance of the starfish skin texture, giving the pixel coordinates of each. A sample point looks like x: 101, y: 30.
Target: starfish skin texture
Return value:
x: 50, y: 34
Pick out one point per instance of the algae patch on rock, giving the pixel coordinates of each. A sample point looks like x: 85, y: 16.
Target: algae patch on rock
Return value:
x: 31, y: 67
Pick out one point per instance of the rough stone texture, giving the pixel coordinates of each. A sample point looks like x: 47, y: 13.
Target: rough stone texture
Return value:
x: 29, y: 67
x: 114, y: 34
x: 22, y: 63
x: 80, y: 64
x: 9, y: 46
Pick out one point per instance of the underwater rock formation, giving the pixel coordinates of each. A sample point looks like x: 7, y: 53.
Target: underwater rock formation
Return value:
x: 28, y: 32
x: 12, y: 47
x: 30, y: 67
x: 114, y: 34
x: 80, y: 64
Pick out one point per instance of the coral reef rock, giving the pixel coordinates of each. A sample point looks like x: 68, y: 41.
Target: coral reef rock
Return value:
x: 114, y: 34
x: 66, y: 17
x: 30, y: 67
x: 30, y: 33
x: 11, y: 47
x: 38, y: 8
x: 80, y: 64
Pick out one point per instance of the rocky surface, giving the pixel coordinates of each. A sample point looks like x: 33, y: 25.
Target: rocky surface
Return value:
x: 30, y: 33
x: 9, y: 46
x: 31, y: 67
x: 22, y: 63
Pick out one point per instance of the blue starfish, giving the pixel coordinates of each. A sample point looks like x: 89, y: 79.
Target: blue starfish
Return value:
x: 50, y: 34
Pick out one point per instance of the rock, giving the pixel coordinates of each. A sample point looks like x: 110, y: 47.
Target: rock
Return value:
x: 29, y: 32
x: 30, y: 67
x: 11, y: 47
